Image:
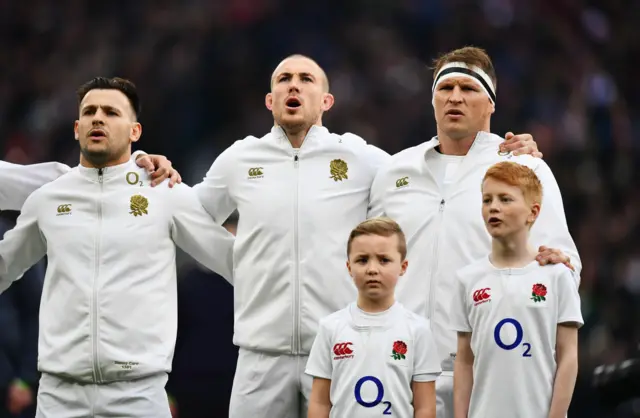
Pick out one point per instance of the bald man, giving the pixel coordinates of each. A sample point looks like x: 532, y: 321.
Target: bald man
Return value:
x: 299, y: 190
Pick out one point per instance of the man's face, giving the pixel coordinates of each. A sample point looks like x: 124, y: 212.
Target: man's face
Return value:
x: 298, y: 94
x: 106, y: 126
x: 375, y: 264
x: 462, y: 108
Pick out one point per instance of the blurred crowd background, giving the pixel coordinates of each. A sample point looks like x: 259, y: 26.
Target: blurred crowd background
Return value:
x: 566, y: 74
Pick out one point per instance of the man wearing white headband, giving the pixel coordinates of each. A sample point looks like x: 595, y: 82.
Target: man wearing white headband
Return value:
x: 433, y: 192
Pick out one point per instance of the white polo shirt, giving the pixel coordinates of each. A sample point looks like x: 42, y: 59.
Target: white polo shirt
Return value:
x: 513, y: 315
x: 371, y: 360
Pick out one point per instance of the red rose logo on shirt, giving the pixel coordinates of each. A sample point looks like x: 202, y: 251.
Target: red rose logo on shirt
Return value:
x: 539, y: 292
x: 399, y: 350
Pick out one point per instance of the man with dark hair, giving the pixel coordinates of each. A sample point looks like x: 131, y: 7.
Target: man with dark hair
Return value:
x: 109, y: 315
x: 17, y: 182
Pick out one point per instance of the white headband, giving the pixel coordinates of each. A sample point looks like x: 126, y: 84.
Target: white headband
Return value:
x: 460, y: 69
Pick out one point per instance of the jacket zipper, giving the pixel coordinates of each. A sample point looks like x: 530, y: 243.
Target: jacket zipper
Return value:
x: 295, y: 346
x: 97, y: 375
x: 434, y: 268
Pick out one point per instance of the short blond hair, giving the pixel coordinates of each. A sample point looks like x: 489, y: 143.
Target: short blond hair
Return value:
x: 381, y: 226
x: 519, y: 176
x: 470, y: 55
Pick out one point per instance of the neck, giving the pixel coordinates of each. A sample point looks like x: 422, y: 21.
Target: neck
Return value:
x: 512, y: 251
x: 85, y: 162
x: 459, y: 145
x: 296, y: 138
x: 297, y: 135
x: 375, y: 305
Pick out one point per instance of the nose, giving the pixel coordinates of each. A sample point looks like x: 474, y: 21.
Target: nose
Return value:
x: 456, y: 95
x: 494, y: 206
x: 98, y: 117
x: 372, y: 268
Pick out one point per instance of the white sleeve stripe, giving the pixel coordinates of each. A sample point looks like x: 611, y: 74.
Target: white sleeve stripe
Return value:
x: 460, y: 328
x: 425, y: 377
x: 570, y: 319
x: 318, y: 374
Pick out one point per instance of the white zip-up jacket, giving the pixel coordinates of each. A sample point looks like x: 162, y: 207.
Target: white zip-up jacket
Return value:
x: 445, y: 231
x: 17, y: 181
x: 296, y: 210
x: 109, y: 304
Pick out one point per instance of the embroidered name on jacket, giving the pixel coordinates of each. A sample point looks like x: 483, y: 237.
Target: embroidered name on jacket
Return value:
x: 139, y: 205
x: 338, y: 170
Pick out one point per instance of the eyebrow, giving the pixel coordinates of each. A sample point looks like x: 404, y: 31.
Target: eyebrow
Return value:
x: 288, y: 74
x: 106, y: 108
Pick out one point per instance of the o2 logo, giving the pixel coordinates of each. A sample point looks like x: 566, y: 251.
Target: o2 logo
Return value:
x: 518, y: 340
x: 378, y: 400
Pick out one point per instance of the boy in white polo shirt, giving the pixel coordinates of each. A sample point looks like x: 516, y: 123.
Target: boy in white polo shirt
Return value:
x: 517, y: 321
x: 374, y: 357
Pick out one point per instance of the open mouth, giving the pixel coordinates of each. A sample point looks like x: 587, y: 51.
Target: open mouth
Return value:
x: 454, y: 112
x: 493, y: 221
x: 97, y: 134
x: 293, y: 102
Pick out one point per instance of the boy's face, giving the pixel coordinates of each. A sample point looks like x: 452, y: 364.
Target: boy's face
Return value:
x: 505, y: 210
x: 375, y: 265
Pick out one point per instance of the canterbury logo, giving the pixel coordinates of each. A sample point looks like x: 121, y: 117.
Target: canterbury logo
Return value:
x: 402, y: 182
x: 255, y: 171
x: 342, y: 349
x: 64, y: 209
x: 481, y: 295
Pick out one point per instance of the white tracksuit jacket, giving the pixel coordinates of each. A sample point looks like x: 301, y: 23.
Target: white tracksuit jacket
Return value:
x: 109, y: 307
x: 17, y: 181
x: 445, y: 231
x: 297, y: 208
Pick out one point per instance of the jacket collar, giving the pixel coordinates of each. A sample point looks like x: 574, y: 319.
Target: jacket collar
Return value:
x: 109, y: 172
x: 481, y: 141
x: 314, y: 132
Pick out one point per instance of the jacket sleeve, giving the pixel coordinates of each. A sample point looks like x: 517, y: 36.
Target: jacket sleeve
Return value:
x: 198, y: 235
x: 213, y: 191
x: 19, y: 181
x: 550, y: 229
x: 376, y: 196
x: 22, y: 246
x: 29, y: 293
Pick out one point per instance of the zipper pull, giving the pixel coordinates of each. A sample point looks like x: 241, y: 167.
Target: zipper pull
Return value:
x: 441, y: 205
x: 100, y: 175
x: 295, y: 160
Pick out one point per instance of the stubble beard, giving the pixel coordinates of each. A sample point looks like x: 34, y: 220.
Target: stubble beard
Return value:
x: 101, y: 158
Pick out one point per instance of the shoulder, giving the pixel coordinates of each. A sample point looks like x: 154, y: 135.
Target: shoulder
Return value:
x: 405, y: 161
x: 556, y: 272
x: 68, y: 179
x: 334, y: 321
x: 358, y: 145
x: 419, y: 325
x: 473, y: 271
x: 248, y: 142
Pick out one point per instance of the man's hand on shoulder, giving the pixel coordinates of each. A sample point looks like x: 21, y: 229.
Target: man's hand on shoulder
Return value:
x: 521, y: 144
x: 160, y: 168
x: 548, y: 255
